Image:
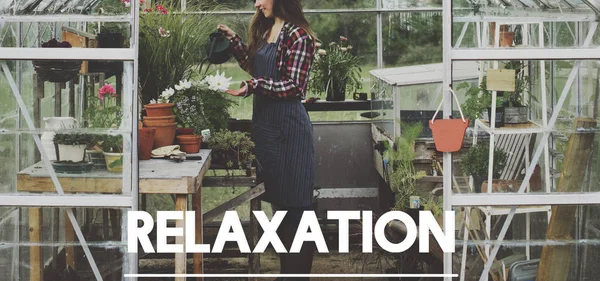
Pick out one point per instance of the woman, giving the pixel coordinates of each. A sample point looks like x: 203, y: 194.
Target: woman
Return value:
x: 279, y: 56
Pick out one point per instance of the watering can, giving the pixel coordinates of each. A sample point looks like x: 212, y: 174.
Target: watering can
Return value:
x: 217, y: 48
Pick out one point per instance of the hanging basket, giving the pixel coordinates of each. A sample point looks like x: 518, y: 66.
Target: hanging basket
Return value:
x: 448, y: 134
x: 57, y: 71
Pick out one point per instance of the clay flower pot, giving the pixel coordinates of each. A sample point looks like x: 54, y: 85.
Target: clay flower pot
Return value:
x: 145, y: 142
x: 158, y: 120
x: 184, y: 131
x: 189, y: 143
x: 159, y: 109
x: 165, y: 135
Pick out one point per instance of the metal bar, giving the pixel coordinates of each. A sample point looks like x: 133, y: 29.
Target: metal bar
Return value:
x: 540, y: 17
x: 532, y: 199
x: 63, y: 18
x: 379, y: 37
x: 526, y: 54
x: 123, y: 54
x: 71, y: 201
x: 327, y: 11
x: 446, y: 86
x: 462, y: 35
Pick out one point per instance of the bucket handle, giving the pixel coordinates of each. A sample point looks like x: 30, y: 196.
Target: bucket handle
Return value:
x: 457, y: 103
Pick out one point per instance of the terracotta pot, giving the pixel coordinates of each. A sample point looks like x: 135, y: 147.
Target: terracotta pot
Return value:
x: 189, y: 143
x: 159, y: 109
x: 184, y: 131
x: 145, y: 142
x: 448, y: 134
x: 158, y: 121
x: 165, y: 135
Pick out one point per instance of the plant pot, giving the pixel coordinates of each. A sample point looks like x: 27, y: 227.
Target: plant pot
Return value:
x: 360, y: 96
x: 50, y: 125
x: 158, y: 121
x: 107, y: 40
x: 159, y: 109
x: 477, y: 182
x: 145, y: 142
x: 337, y: 92
x: 114, y: 161
x: 75, y: 153
x: 184, y: 131
x: 516, y: 115
x: 57, y: 71
x: 448, y: 134
x: 165, y: 135
x: 499, y: 116
x: 506, y: 38
x: 189, y: 143
x: 72, y: 168
x: 97, y: 158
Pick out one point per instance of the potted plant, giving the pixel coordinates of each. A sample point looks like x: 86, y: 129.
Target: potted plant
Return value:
x: 335, y: 70
x: 516, y: 110
x: 476, y: 163
x: 58, y: 71
x: 231, y: 149
x: 169, y: 44
x: 112, y: 147
x: 479, y: 101
x: 102, y: 112
x: 71, y: 146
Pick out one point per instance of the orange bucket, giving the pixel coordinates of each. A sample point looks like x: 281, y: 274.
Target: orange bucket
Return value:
x: 448, y: 134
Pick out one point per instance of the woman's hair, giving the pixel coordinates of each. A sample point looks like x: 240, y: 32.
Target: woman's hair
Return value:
x: 289, y: 11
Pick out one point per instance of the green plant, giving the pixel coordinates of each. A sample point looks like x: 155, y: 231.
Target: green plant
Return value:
x: 335, y: 69
x: 237, y: 144
x: 478, y: 99
x: 112, y: 143
x: 64, y: 137
x: 403, y: 175
x: 516, y: 98
x: 102, y: 109
x: 476, y: 161
x: 169, y: 44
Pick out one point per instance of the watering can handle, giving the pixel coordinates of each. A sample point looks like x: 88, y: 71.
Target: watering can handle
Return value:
x: 457, y: 103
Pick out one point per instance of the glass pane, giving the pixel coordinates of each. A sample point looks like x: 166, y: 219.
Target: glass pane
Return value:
x: 572, y: 238
x: 63, y: 7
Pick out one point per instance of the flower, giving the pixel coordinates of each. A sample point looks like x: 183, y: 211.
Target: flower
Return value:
x: 321, y: 52
x: 183, y: 85
x: 163, y: 32
x: 218, y: 82
x: 165, y: 95
x: 106, y: 90
x: 318, y: 45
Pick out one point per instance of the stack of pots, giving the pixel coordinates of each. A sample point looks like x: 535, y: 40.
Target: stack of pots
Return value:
x: 159, y: 116
x: 189, y: 143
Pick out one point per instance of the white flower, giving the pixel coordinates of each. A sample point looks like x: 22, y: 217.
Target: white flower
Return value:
x: 183, y: 84
x: 166, y: 94
x: 343, y: 49
x: 318, y: 45
x: 322, y: 52
x: 218, y: 82
x: 152, y: 101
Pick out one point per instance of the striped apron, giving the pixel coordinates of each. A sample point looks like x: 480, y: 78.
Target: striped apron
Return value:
x: 283, y: 135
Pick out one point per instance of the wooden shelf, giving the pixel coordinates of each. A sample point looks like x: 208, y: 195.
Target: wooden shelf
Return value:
x: 525, y: 128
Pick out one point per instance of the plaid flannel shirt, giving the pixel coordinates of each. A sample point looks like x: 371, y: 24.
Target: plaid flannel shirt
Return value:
x: 295, y: 54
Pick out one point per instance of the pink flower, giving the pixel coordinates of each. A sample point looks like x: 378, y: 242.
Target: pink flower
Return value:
x: 163, y: 32
x: 343, y: 39
x: 106, y: 90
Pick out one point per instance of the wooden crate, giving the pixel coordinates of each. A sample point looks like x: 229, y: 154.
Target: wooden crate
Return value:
x: 79, y: 39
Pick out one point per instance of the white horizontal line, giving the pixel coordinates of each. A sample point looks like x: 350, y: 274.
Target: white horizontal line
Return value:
x: 290, y: 275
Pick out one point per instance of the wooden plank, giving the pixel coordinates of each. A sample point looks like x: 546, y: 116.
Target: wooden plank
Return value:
x: 72, y: 98
x: 215, y: 181
x: 69, y: 237
x: 254, y: 259
x: 35, y: 252
x: 555, y: 260
x: 198, y: 257
x: 501, y: 80
x: 180, y: 258
x: 38, y: 94
x: 231, y: 204
x: 57, y: 100
x: 166, y: 186
x: 69, y: 184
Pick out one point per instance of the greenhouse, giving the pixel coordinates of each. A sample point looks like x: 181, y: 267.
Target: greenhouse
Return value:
x: 473, y: 122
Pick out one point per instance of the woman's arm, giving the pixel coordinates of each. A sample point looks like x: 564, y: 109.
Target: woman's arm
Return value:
x: 239, y: 51
x: 292, y: 84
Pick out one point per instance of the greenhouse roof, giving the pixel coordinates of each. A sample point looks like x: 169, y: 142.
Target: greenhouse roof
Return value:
x: 426, y: 73
x: 541, y: 4
x: 28, y: 7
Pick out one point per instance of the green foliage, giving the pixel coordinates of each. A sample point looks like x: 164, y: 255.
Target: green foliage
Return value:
x: 476, y: 161
x: 521, y: 84
x: 67, y: 138
x: 102, y: 113
x: 238, y: 144
x: 201, y: 108
x: 335, y: 66
x: 477, y: 99
x: 164, y: 61
x: 403, y: 175
x: 112, y: 143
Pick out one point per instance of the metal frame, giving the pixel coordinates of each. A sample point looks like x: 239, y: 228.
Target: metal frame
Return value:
x: 129, y: 198
x: 490, y: 54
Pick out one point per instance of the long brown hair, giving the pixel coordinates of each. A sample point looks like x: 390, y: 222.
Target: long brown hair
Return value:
x: 289, y: 11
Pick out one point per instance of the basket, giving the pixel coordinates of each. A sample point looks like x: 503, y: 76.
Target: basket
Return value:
x: 57, y: 71
x: 448, y: 134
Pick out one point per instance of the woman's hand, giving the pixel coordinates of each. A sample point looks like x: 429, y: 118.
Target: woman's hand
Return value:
x: 236, y: 93
x: 226, y: 31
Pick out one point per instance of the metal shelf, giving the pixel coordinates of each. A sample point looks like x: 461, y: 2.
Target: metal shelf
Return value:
x: 526, y: 128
